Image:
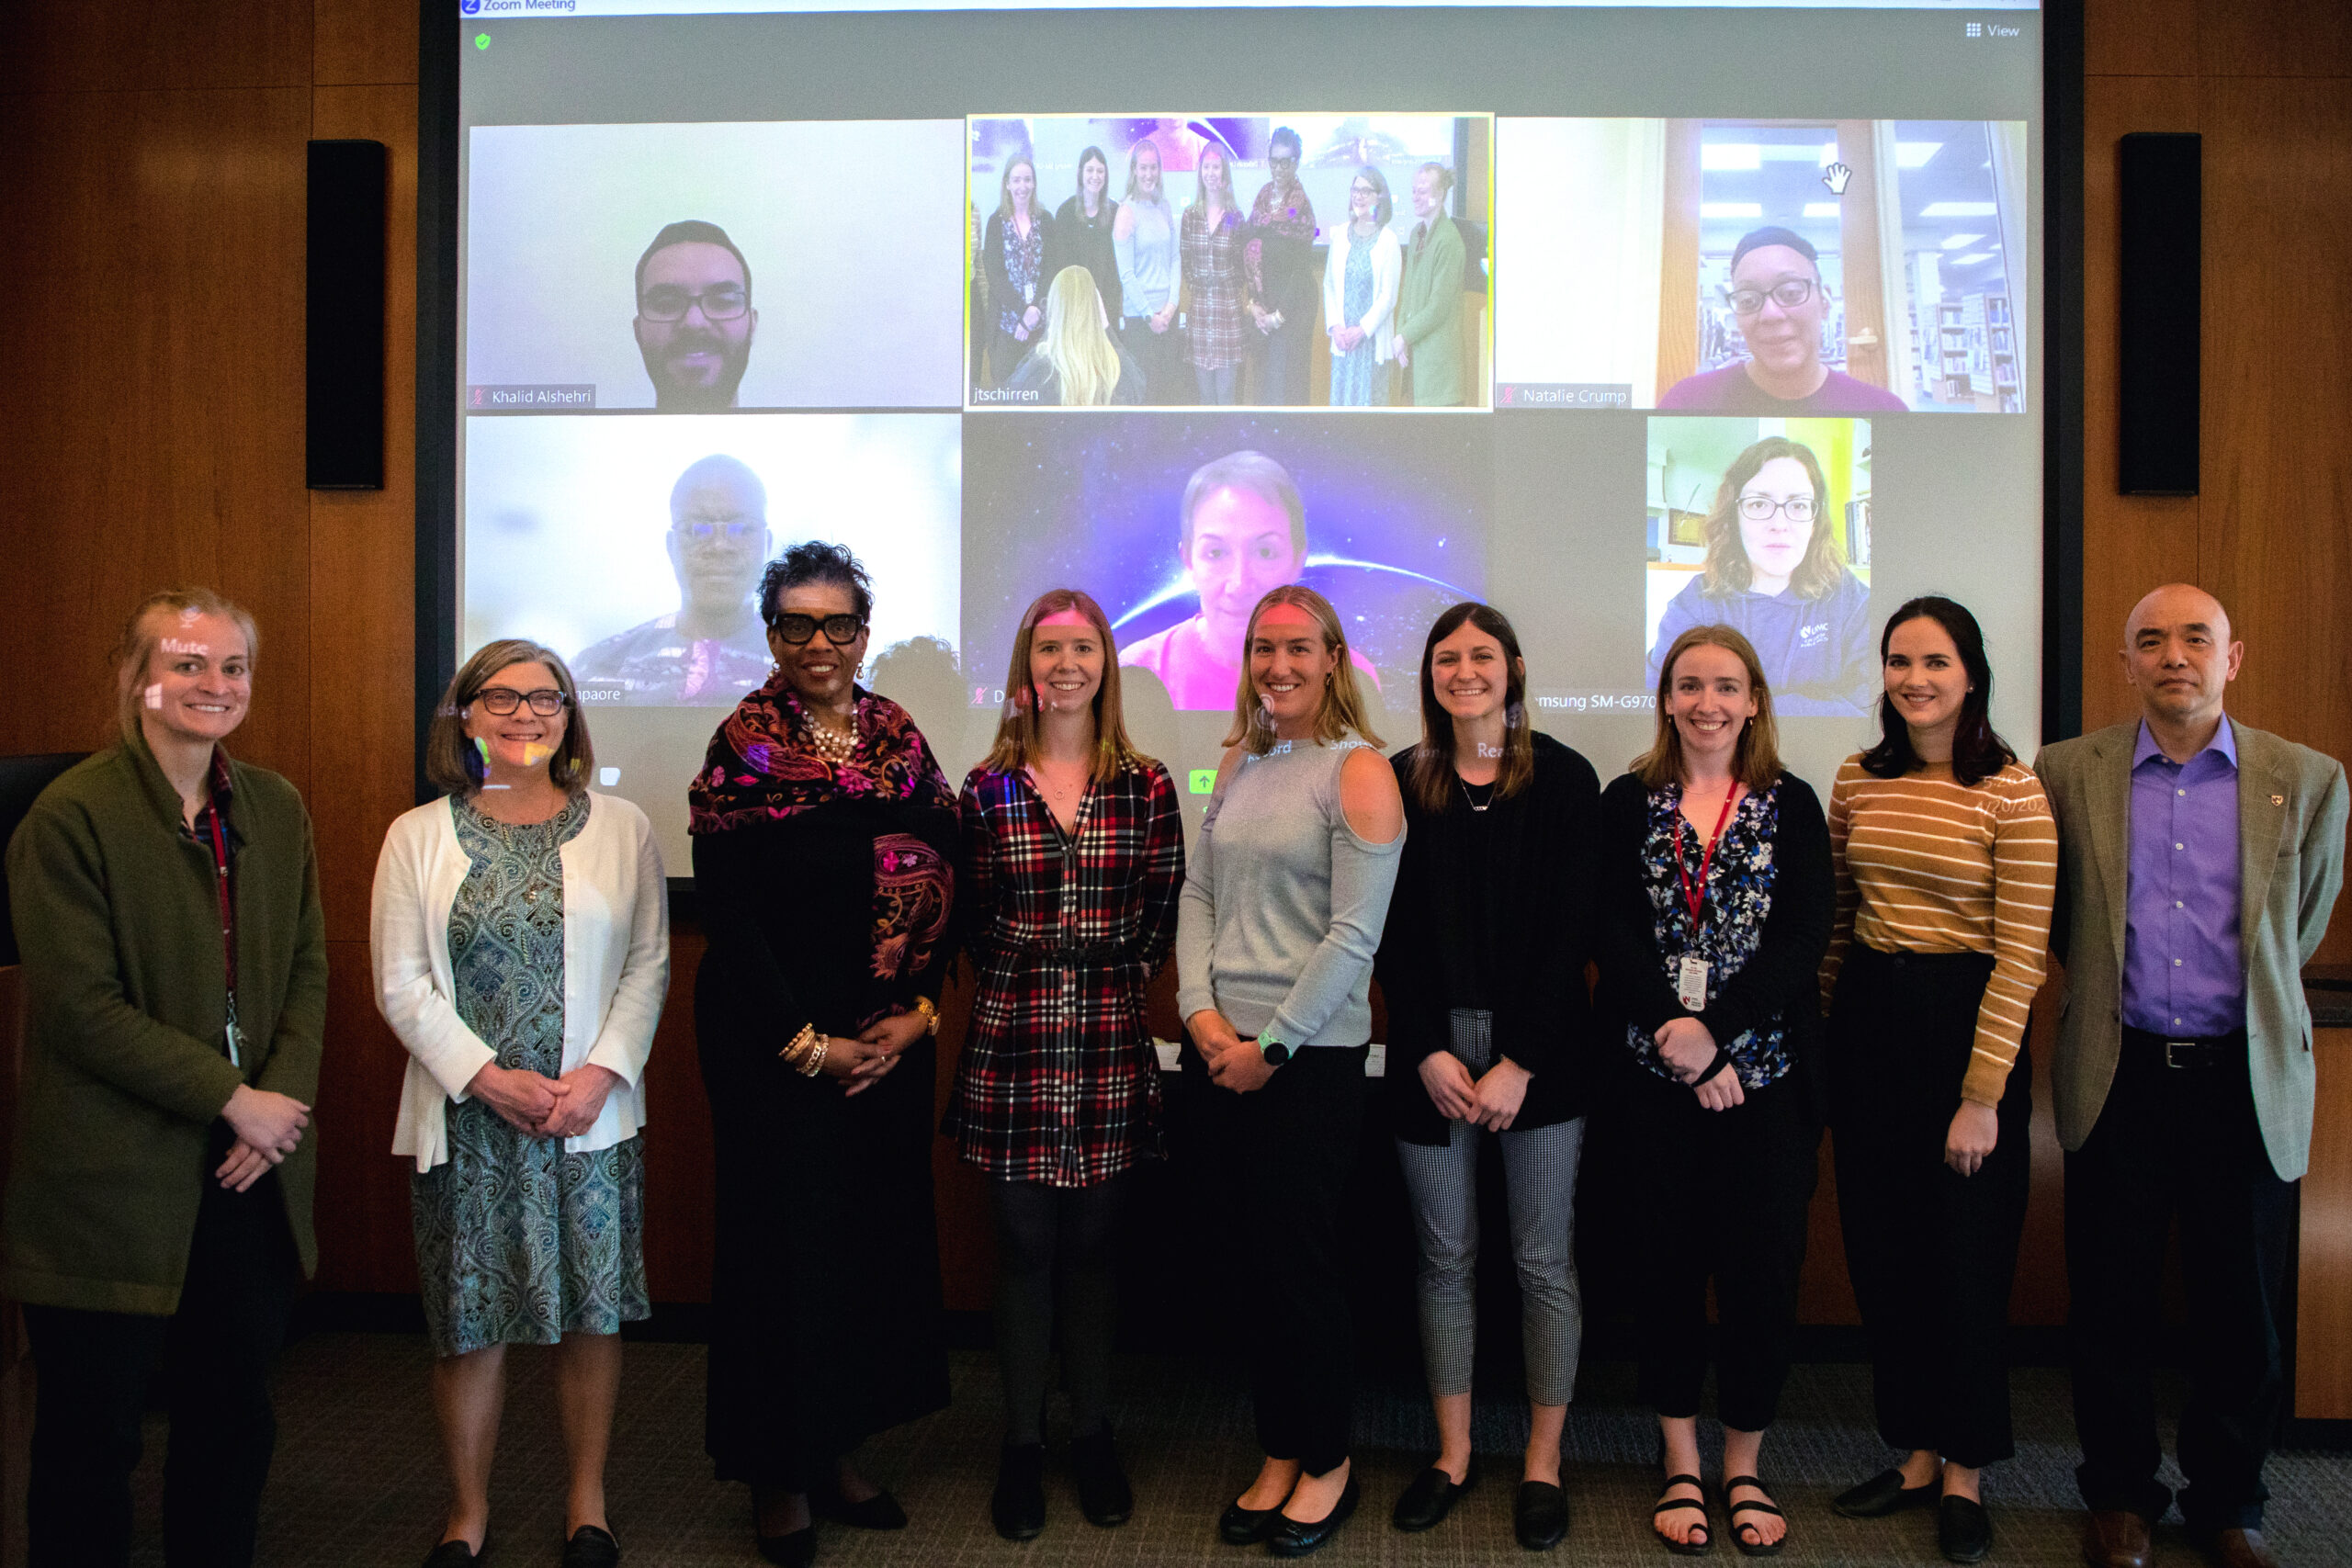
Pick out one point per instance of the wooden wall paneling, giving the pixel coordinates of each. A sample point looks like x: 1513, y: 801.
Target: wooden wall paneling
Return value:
x: 2275, y: 541
x: 1677, y: 316
x: 363, y: 560
x: 366, y: 1242
x: 2324, y: 1278
x: 2130, y: 543
x: 119, y: 45
x: 2274, y: 38
x: 365, y: 43
x: 2139, y: 37
x: 1858, y: 240
x: 680, y: 1189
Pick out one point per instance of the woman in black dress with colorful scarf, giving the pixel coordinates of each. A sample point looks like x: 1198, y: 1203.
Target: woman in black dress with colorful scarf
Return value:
x: 824, y: 838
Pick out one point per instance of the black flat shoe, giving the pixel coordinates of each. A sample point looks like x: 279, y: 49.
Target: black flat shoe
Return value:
x: 591, y: 1547
x: 1885, y: 1493
x: 1238, y: 1526
x: 1759, y: 1547
x: 1431, y: 1497
x: 1104, y: 1495
x: 1963, y: 1530
x: 456, y: 1554
x: 1295, y: 1538
x: 794, y: 1549
x: 879, y: 1512
x: 1539, y: 1515
x: 1700, y: 1544
x: 1017, y: 1506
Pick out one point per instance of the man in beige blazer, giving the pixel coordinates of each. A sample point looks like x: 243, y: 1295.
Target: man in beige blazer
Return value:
x: 2198, y: 860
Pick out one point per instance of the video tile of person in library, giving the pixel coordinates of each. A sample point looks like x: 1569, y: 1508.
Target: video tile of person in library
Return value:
x: 1718, y: 896
x: 1780, y: 300
x: 1280, y: 916
x: 1144, y: 239
x: 1084, y: 231
x: 1362, y: 271
x: 1077, y: 362
x: 1016, y: 253
x: 1243, y: 533
x: 1947, y: 864
x: 174, y: 970
x: 1775, y: 574
x: 711, y: 650
x: 1211, y: 237
x: 1429, y: 306
x: 2200, y: 859
x: 1490, y: 1032
x: 825, y: 840
x: 1280, y: 260
x: 1073, y: 859
x: 694, y: 319
x: 496, y: 907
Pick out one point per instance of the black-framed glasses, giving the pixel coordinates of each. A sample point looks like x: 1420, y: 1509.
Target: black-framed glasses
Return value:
x: 1787, y: 294
x: 1797, y: 508
x: 733, y: 530
x: 502, y: 700
x: 667, y: 302
x: 840, y: 630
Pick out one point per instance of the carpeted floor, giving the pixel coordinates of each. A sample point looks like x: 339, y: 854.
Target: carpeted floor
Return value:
x: 357, y: 1482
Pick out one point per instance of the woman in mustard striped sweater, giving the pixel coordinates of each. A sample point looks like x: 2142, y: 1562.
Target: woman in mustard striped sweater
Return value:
x: 1947, y: 862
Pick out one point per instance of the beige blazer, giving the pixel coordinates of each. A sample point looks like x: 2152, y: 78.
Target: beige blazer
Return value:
x: 2292, y: 806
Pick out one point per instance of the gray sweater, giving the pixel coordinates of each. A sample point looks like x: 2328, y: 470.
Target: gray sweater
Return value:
x: 1283, y: 903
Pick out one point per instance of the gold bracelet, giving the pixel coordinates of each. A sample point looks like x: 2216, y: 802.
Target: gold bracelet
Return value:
x: 799, y: 1044
x: 816, y: 1062
x: 930, y: 1015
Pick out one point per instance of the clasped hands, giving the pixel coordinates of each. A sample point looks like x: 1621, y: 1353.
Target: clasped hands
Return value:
x: 1490, y: 1101
x: 1233, y: 1062
x: 864, y: 1061
x: 269, y: 1127
x: 1688, y: 1046
x: 541, y: 1106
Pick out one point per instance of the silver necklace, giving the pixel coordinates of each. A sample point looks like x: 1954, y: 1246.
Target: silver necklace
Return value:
x: 1465, y: 786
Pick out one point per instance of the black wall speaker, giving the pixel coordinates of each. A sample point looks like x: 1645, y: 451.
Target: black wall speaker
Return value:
x: 345, y: 360
x: 2160, y: 214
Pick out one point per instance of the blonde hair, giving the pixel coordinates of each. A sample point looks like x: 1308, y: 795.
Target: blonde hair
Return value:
x: 135, y: 649
x: 1201, y: 187
x: 1135, y: 157
x: 452, y: 761
x: 1444, y: 181
x: 1341, y: 712
x: 1757, y: 762
x: 1016, y: 732
x: 1084, y: 359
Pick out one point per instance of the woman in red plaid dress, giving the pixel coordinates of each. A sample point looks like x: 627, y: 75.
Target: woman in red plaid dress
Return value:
x: 1075, y: 854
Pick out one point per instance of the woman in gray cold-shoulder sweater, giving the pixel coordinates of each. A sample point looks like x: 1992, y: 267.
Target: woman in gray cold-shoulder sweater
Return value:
x: 1282, y: 913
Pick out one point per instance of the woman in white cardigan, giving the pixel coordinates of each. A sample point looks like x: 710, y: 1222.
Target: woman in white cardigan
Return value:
x: 521, y: 939
x: 1361, y: 277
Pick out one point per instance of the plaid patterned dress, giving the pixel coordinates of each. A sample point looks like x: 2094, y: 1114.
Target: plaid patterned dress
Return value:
x: 1213, y: 289
x: 1059, y: 1083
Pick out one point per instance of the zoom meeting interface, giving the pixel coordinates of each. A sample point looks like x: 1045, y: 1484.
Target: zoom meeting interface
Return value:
x: 1624, y: 319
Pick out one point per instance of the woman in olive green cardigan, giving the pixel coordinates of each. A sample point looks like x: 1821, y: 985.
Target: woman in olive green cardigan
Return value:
x: 161, y: 1189
x: 1428, y: 309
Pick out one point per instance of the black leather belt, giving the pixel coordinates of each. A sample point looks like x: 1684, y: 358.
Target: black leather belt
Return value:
x: 2204, y: 1052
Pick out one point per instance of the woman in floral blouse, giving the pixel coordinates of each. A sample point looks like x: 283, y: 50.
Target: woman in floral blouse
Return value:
x: 1074, y: 853
x: 1717, y: 895
x: 1013, y: 253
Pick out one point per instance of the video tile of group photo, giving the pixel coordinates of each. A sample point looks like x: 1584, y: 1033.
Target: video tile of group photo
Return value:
x: 1764, y: 267
x: 1178, y: 525
x: 634, y: 547
x: 701, y: 268
x: 1267, y: 260
x: 1764, y: 524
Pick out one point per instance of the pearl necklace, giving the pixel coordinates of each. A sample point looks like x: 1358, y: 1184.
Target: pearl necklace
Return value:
x: 831, y: 743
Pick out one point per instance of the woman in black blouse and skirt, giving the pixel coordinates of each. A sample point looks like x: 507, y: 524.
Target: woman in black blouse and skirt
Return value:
x: 1482, y: 964
x: 1718, y: 898
x: 824, y: 836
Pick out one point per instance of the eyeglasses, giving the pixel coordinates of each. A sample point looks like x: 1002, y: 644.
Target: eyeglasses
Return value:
x: 741, y: 528
x: 504, y: 700
x: 1798, y: 509
x: 1788, y: 295
x: 666, y: 302
x: 1282, y: 161
x: 840, y: 630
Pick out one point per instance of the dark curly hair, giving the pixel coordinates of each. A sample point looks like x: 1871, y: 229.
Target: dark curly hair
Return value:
x: 815, y: 562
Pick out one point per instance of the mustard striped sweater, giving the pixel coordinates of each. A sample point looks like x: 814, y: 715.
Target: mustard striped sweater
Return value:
x: 1927, y: 864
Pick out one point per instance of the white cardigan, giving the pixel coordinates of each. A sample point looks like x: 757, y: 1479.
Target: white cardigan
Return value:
x: 615, y: 967
x: 1388, y: 274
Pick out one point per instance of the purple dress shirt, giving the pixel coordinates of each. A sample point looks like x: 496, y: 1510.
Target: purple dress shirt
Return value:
x: 2184, y: 976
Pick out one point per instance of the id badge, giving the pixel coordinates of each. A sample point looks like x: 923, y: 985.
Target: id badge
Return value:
x: 236, y: 1055
x: 1691, y: 984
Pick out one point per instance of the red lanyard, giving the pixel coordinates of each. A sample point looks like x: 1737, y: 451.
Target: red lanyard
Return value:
x: 1697, y: 899
x: 228, y: 919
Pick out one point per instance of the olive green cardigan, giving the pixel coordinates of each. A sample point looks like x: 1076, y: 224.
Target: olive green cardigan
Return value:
x: 119, y: 921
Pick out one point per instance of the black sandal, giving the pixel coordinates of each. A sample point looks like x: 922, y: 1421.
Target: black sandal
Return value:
x: 1706, y: 1536
x: 1733, y: 1510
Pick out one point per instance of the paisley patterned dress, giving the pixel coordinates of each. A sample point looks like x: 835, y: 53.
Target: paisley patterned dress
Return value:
x: 519, y: 1242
